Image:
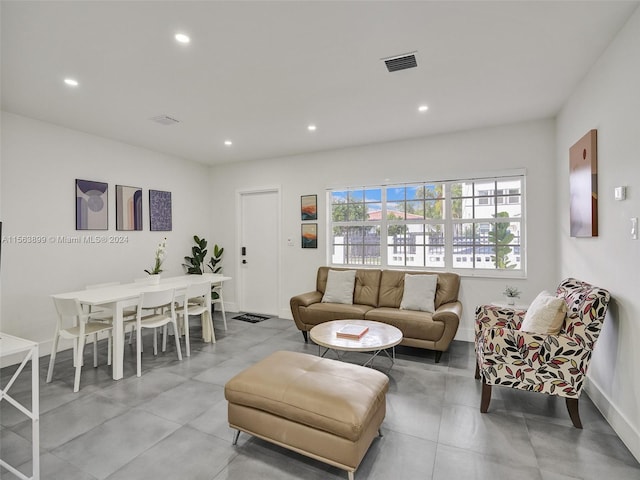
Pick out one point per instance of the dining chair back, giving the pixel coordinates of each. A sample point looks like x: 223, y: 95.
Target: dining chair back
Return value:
x: 74, y: 324
x: 195, y: 303
x: 162, y: 304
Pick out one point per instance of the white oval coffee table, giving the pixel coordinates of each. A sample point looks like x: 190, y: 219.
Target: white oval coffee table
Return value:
x: 379, y: 338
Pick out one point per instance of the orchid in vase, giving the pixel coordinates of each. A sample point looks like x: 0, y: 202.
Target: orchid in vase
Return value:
x: 160, y: 254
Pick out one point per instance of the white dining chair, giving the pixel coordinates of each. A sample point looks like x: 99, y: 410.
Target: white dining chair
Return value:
x: 162, y: 303
x: 195, y: 304
x: 106, y: 315
x: 74, y: 324
x: 217, y: 288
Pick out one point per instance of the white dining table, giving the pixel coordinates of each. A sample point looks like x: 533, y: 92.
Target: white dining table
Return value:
x: 118, y: 297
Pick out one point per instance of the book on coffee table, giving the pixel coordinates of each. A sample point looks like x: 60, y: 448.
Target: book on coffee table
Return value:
x: 353, y: 332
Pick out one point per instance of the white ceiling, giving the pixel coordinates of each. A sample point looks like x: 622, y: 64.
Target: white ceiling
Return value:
x: 259, y: 72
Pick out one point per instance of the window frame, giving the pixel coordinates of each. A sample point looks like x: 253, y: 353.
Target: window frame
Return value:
x: 447, y: 251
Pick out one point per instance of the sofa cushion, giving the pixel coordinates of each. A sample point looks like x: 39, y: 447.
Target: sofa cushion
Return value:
x: 339, y: 289
x: 419, y: 292
x: 545, y: 315
x: 412, y: 323
x: 324, y: 312
x: 366, y: 288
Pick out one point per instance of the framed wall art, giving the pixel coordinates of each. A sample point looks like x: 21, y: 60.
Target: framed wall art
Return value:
x: 92, y: 205
x: 309, y: 235
x: 159, y: 211
x: 309, y: 207
x: 583, y: 186
x: 128, y: 208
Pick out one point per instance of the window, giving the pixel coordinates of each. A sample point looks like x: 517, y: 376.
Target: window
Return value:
x: 475, y: 225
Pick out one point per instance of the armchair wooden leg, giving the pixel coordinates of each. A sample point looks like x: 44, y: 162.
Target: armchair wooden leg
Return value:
x: 306, y: 336
x: 438, y: 356
x: 574, y: 413
x: 477, y: 376
x: 486, y: 397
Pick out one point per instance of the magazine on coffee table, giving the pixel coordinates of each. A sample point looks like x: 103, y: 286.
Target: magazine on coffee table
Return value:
x: 352, y: 331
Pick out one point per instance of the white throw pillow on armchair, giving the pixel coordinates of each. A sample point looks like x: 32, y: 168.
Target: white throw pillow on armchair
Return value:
x: 339, y: 288
x: 419, y: 293
x: 545, y: 315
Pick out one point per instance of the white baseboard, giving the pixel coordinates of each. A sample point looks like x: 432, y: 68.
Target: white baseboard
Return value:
x: 627, y: 432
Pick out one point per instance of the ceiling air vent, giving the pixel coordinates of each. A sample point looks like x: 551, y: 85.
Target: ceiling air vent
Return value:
x: 165, y: 120
x: 401, y: 62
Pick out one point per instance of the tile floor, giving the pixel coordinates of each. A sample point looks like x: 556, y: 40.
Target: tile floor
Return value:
x: 171, y: 422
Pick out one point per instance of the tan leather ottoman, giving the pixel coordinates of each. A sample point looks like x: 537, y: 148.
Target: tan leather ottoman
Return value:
x: 322, y: 408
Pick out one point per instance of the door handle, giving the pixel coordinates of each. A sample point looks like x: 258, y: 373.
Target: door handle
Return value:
x: 244, y: 261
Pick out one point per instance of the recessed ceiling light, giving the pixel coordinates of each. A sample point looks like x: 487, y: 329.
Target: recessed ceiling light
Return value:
x: 311, y: 128
x: 228, y: 143
x: 182, y: 38
x: 423, y: 108
x: 71, y: 82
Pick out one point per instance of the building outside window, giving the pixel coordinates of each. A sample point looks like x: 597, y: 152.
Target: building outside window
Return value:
x: 475, y: 225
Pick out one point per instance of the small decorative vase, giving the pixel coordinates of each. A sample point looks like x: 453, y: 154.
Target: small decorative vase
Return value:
x: 511, y: 300
x: 155, y: 279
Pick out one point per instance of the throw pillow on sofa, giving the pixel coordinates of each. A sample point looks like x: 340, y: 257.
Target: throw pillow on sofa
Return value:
x: 339, y: 287
x: 545, y: 315
x: 419, y: 293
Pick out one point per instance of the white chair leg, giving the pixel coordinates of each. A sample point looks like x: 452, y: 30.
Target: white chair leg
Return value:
x: 224, y: 314
x: 95, y: 350
x: 109, y: 347
x: 155, y: 341
x: 175, y: 334
x: 209, y: 318
x: 138, y: 351
x: 165, y: 331
x: 186, y: 334
x: 52, y: 360
x: 80, y: 353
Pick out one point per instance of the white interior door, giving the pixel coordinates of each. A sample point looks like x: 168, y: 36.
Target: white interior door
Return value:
x: 259, y: 251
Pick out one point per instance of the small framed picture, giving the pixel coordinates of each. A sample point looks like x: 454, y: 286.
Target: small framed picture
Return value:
x: 309, y: 235
x: 309, y: 207
x: 91, y: 205
x: 128, y: 208
x: 160, y: 211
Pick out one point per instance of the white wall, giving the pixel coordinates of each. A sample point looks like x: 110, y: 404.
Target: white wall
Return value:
x: 608, y: 99
x: 530, y: 146
x: 40, y: 163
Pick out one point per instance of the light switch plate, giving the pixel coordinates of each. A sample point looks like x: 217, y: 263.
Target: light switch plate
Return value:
x: 620, y: 193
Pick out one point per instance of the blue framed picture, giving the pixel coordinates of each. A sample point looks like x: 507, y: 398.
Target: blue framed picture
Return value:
x: 160, y: 211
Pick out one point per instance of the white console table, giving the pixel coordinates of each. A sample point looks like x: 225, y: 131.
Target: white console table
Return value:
x: 10, y: 345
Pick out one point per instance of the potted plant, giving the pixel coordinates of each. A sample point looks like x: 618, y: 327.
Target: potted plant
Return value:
x: 511, y: 293
x: 157, y: 266
x: 195, y: 264
x: 216, y: 258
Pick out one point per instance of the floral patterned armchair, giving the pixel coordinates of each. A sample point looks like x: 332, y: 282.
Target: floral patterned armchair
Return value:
x: 552, y: 364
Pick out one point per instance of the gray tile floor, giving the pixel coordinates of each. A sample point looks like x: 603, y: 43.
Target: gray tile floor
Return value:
x: 171, y: 422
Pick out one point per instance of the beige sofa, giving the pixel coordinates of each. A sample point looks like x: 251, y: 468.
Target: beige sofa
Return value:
x: 377, y: 296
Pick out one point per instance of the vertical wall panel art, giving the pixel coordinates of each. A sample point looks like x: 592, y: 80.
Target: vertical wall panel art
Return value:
x: 583, y: 186
x: 91, y: 205
x: 128, y: 208
x: 160, y: 211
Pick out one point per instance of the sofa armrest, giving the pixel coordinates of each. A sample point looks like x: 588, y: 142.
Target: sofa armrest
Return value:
x: 449, y: 314
x: 301, y: 301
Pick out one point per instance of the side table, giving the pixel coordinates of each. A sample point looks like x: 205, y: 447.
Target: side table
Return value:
x: 10, y: 345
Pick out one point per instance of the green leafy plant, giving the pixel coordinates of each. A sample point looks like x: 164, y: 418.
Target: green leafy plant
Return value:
x: 160, y: 254
x: 511, y: 292
x: 195, y: 264
x: 216, y: 258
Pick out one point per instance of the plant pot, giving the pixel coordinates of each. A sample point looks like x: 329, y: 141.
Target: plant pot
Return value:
x: 155, y: 279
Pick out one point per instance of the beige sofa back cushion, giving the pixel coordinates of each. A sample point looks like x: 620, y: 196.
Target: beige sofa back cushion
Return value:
x: 392, y: 287
x: 366, y: 287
